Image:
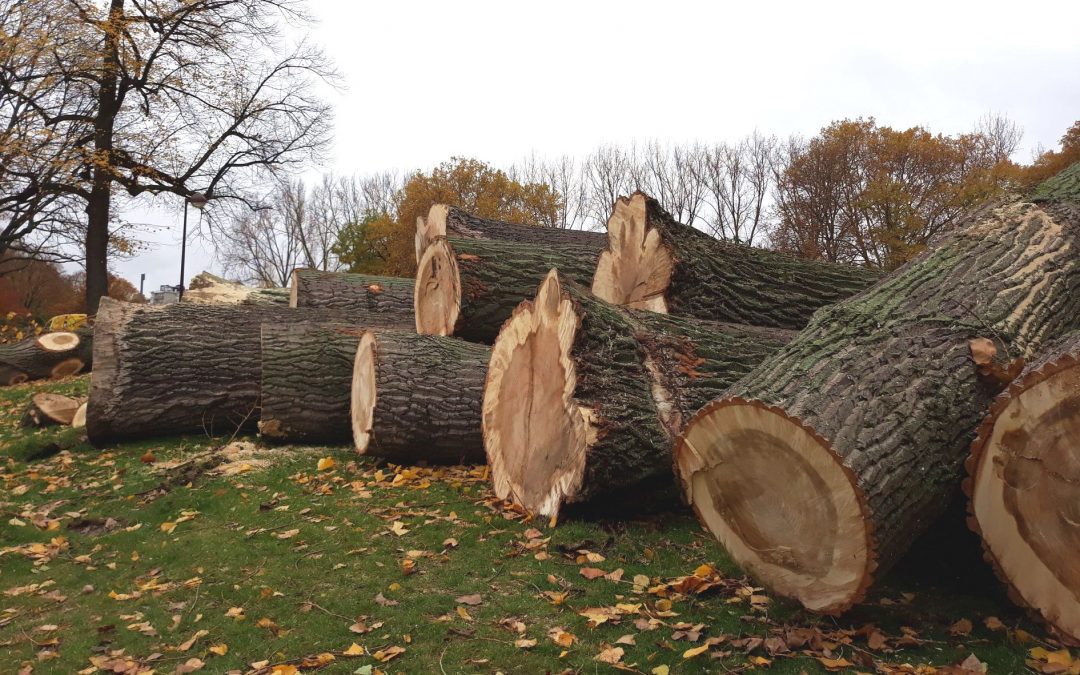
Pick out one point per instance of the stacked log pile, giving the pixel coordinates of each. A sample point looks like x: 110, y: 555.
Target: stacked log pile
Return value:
x: 816, y: 416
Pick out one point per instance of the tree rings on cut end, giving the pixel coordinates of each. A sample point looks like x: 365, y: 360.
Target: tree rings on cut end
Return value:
x: 61, y: 341
x: 779, y: 500
x: 635, y: 268
x: 430, y: 228
x: 535, y: 434
x: 1025, y: 492
x: 364, y: 392
x: 437, y: 294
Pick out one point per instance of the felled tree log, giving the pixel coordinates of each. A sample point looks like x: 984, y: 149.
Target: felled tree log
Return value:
x: 210, y: 289
x: 307, y: 381
x: 653, y: 262
x: 52, y: 355
x: 180, y: 368
x: 1024, y: 487
x: 469, y: 287
x: 417, y: 397
x: 361, y: 294
x: 584, y: 399
x: 47, y: 409
x: 449, y: 221
x: 824, y: 463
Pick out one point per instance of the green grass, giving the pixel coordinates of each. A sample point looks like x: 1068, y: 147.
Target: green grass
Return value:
x: 115, y: 580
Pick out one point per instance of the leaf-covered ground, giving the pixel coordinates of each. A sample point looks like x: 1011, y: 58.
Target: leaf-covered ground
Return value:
x: 178, y: 556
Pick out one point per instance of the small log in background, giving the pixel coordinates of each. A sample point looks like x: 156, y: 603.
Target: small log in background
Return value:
x: 654, y: 262
x: 51, y: 355
x: 449, y: 221
x: 864, y: 420
x: 47, y: 409
x: 1024, y: 487
x: 363, y: 294
x: 469, y: 287
x: 584, y: 399
x: 417, y: 397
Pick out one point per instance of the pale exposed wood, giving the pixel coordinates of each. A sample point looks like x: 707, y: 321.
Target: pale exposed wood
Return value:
x: 78, y: 420
x: 48, y: 408
x: 52, y: 355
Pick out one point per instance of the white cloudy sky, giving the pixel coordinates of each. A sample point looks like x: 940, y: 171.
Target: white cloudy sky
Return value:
x: 426, y: 80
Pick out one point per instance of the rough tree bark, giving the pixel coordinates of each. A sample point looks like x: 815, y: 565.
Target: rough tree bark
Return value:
x: 824, y: 463
x: 307, y: 381
x: 583, y: 399
x: 180, y: 368
x: 52, y: 355
x: 417, y: 397
x: 469, y: 287
x: 449, y: 221
x: 653, y: 262
x: 1024, y: 487
x: 358, y: 293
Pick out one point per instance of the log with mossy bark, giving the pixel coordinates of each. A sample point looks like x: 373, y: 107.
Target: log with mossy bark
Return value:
x: 306, y: 381
x: 1024, y: 487
x: 361, y: 294
x: 583, y: 398
x: 654, y: 262
x: 181, y: 368
x: 417, y: 397
x: 863, y: 421
x: 48, y: 356
x: 449, y: 221
x: 469, y: 287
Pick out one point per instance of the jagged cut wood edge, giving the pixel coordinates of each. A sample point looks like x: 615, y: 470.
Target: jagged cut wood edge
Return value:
x: 437, y: 290
x: 364, y: 391
x: 972, y: 465
x: 683, y: 453
x: 430, y: 228
x: 635, y: 269
x: 294, y: 290
x: 551, y: 315
x: 111, y: 318
x: 78, y: 421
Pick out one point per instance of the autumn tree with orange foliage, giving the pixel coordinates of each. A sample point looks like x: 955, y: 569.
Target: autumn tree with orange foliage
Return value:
x: 872, y: 195
x: 383, y: 243
x: 1052, y: 162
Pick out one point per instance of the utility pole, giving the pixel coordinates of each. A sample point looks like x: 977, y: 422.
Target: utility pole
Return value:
x: 198, y: 200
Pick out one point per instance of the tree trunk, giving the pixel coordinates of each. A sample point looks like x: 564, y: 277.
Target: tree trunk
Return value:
x: 863, y: 421
x: 653, y: 262
x: 469, y: 287
x: 99, y: 205
x: 52, y: 355
x: 449, y: 221
x: 180, y: 368
x: 417, y: 397
x: 306, y: 381
x: 359, y: 293
x: 1024, y: 487
x: 47, y: 409
x: 584, y: 399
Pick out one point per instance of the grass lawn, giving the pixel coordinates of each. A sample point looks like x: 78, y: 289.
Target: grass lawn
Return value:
x: 174, y: 556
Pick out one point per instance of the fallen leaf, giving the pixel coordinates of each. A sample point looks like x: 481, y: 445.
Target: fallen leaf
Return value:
x: 961, y: 628
x: 993, y: 623
x: 561, y: 637
x: 288, y: 534
x: 464, y: 614
x: 591, y: 572
x: 354, y: 650
x: 384, y: 602
x: 660, y: 670
x: 695, y: 651
x: 611, y: 655
x: 189, y: 666
x: 384, y: 655
x: 221, y: 649
x: 835, y: 664
x: 524, y: 643
x: 168, y: 526
x: 326, y: 463
x: 398, y: 528
x: 471, y: 600
x: 626, y: 640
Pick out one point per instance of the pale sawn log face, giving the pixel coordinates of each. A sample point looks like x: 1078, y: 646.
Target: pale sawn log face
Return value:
x: 1025, y: 486
x: 654, y: 262
x: 418, y: 397
x: 887, y: 379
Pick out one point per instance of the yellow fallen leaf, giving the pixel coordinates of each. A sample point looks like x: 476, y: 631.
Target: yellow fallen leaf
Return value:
x: 660, y: 670
x: 835, y: 664
x: 221, y: 649
x: 235, y: 613
x: 284, y: 669
x: 524, y: 643
x: 288, y: 534
x: 389, y: 653
x: 695, y: 651
x: 354, y: 650
x: 326, y: 463
x: 464, y: 614
x: 168, y: 526
x: 398, y: 528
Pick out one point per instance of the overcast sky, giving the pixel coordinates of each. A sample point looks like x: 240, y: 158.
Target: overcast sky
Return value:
x: 426, y: 80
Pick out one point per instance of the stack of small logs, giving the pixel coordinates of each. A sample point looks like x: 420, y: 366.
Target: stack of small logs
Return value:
x: 816, y: 416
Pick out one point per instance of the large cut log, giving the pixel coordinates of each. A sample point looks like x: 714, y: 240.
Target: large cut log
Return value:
x: 210, y: 289
x: 417, y: 397
x: 307, y: 381
x: 653, y: 262
x: 469, y: 287
x: 449, y: 221
x: 52, y: 355
x: 181, y: 368
x: 584, y: 399
x: 1024, y: 487
x: 823, y: 464
x: 361, y: 294
x: 46, y: 409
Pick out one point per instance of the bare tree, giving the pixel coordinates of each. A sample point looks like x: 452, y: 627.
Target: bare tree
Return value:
x: 265, y: 246
x: 608, y: 174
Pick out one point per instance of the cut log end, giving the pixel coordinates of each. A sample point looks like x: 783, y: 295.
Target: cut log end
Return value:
x: 47, y: 408
x: 61, y: 341
x: 437, y: 294
x: 430, y: 228
x: 779, y: 500
x: 535, y: 434
x: 67, y: 368
x: 78, y: 421
x: 364, y: 387
x: 635, y: 269
x: 294, y: 288
x: 1026, y: 492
